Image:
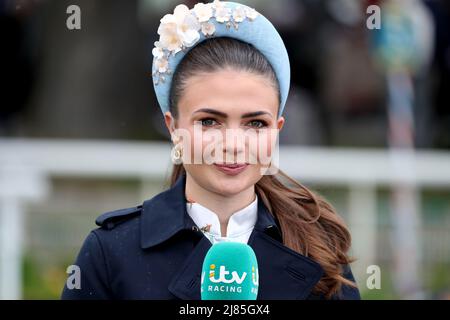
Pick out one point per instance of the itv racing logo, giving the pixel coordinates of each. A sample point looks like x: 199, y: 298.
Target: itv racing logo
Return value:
x: 226, y: 281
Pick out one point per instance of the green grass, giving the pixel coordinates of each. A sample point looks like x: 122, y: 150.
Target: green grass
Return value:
x: 43, y: 282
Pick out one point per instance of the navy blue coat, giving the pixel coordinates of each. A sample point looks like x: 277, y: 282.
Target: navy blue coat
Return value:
x: 155, y: 251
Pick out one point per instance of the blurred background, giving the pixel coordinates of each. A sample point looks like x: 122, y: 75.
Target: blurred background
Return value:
x: 368, y: 127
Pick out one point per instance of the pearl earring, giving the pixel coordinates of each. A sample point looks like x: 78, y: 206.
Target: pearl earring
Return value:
x: 177, y: 154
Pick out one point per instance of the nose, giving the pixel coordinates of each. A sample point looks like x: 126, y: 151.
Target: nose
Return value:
x: 234, y: 145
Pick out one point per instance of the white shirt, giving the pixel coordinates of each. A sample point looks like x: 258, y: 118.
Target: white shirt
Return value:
x: 239, y: 228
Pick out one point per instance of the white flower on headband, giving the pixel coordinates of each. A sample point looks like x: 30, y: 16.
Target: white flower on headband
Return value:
x: 208, y: 28
x: 169, y: 37
x: 239, y: 14
x: 223, y: 14
x: 251, y: 13
x: 203, y: 11
x: 179, y: 29
x: 182, y: 29
x: 217, y: 4
x: 157, y: 51
x: 162, y: 65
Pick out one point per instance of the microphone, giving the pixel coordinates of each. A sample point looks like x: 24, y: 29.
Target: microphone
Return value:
x: 229, y: 272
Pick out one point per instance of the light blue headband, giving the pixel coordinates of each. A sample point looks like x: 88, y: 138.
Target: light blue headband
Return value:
x: 181, y: 31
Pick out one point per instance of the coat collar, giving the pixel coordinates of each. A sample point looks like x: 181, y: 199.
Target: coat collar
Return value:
x: 165, y: 215
x: 289, y: 276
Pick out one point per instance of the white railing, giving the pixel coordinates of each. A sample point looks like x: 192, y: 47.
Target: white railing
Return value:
x: 26, y: 166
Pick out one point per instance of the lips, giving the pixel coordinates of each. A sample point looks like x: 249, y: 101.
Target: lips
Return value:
x: 232, y: 168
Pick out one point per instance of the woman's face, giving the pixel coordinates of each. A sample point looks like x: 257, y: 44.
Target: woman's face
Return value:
x: 227, y: 117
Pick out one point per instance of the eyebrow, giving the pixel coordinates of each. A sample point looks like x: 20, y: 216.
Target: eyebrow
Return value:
x: 224, y: 115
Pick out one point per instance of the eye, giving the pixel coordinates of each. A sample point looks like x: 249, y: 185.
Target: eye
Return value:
x: 208, y: 122
x: 257, y: 124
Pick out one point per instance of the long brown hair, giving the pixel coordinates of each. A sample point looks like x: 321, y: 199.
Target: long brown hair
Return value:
x: 309, y: 224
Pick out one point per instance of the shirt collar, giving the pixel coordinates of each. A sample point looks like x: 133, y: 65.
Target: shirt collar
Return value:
x: 165, y: 215
x: 240, y: 222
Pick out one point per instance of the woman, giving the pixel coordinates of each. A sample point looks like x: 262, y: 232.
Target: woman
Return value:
x: 221, y: 76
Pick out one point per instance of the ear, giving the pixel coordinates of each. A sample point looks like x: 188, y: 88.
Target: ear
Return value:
x: 171, y: 126
x: 170, y: 121
x: 280, y: 123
